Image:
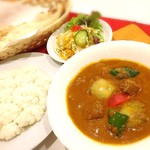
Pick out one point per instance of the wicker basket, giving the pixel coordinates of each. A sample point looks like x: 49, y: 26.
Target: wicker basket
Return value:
x: 40, y: 35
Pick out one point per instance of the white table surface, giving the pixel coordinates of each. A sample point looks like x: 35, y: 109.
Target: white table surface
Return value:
x: 133, y: 10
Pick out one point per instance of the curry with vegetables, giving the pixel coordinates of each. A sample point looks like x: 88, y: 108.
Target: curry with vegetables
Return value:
x: 109, y: 101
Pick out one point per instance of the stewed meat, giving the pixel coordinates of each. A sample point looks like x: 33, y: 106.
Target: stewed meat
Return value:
x: 130, y: 87
x: 95, y: 110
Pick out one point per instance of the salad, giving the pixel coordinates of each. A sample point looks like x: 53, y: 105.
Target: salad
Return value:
x: 80, y: 32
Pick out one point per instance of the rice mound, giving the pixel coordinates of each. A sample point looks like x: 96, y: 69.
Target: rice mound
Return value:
x: 23, y: 94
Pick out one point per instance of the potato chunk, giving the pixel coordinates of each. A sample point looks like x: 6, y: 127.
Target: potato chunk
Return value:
x: 102, y: 88
x: 136, y: 112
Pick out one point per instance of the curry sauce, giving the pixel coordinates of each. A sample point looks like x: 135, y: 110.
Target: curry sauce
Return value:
x: 92, y: 113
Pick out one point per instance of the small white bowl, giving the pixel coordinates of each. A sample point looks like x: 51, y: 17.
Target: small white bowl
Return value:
x: 59, y: 118
x: 51, y: 44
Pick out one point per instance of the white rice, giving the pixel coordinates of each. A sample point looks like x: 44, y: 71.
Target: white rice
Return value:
x: 23, y: 94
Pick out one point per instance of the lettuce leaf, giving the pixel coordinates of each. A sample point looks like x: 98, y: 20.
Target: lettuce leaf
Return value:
x: 79, y: 20
x: 91, y: 20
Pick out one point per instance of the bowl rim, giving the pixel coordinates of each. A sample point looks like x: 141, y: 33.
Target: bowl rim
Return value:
x: 56, y: 103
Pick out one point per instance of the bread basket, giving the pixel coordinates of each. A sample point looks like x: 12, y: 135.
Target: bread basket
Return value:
x: 26, y: 36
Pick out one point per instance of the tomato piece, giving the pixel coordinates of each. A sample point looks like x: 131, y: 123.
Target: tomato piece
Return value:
x: 76, y: 28
x: 117, y: 99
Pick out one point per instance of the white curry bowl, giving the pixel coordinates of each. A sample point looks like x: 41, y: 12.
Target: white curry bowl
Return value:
x: 62, y: 124
x: 51, y: 44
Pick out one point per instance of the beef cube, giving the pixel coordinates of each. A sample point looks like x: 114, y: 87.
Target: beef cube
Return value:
x: 130, y: 87
x: 94, y: 110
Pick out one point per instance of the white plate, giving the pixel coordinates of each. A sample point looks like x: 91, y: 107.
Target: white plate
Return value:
x: 51, y: 44
x: 64, y: 128
x: 38, y: 132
